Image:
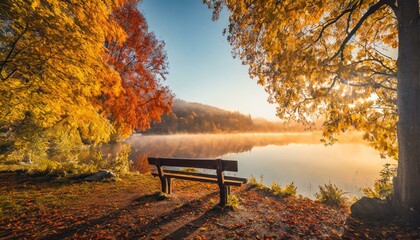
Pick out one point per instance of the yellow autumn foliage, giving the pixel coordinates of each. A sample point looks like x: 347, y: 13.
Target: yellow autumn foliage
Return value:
x: 322, y: 59
x: 52, y: 69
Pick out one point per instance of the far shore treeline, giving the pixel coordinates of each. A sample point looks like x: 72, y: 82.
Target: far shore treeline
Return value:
x: 189, y: 117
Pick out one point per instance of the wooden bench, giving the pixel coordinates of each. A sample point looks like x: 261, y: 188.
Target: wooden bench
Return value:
x: 224, y: 182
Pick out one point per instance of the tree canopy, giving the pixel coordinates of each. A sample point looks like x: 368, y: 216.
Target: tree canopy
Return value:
x: 334, y: 59
x: 142, y: 64
x: 57, y: 74
x: 328, y: 59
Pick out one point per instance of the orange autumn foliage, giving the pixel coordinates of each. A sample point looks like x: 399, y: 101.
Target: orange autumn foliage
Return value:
x: 142, y: 64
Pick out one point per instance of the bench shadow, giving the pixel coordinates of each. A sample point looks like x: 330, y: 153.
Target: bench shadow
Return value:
x: 215, y: 212
x: 176, y: 213
x: 142, y: 230
x: 192, y: 226
x: 71, y: 230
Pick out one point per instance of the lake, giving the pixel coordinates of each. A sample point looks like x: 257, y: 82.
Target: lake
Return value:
x: 280, y: 157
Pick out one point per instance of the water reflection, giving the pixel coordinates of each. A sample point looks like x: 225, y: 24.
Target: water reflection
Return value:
x: 348, y: 165
x: 216, y: 145
x: 284, y: 158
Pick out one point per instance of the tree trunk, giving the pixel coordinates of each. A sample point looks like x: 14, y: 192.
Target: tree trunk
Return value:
x: 407, y: 183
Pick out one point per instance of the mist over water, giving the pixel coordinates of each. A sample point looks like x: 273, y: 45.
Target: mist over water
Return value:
x: 283, y: 157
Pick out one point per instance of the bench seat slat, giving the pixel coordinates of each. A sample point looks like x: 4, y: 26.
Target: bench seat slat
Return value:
x: 204, y: 178
x: 239, y: 179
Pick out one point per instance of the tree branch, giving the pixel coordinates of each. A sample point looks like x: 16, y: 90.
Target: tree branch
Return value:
x: 372, y: 9
x: 3, y: 63
x: 332, y: 21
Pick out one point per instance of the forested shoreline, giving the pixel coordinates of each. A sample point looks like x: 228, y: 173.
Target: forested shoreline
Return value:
x: 190, y: 117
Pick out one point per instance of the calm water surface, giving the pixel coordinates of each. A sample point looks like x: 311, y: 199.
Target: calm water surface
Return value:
x: 284, y: 158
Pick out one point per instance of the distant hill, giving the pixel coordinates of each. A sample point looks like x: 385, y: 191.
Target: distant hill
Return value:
x: 190, y: 117
x: 184, y: 107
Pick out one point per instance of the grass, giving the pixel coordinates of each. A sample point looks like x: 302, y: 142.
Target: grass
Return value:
x: 253, y: 182
x: 289, y: 191
x: 233, y: 202
x: 331, y: 195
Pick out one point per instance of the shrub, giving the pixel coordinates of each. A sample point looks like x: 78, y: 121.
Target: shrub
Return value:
x: 331, y: 195
x: 83, y: 161
x: 117, y: 162
x: 382, y: 188
x: 121, y: 162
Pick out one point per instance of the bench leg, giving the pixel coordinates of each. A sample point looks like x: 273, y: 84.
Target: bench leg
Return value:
x: 223, y: 195
x: 164, y: 183
x: 170, y: 185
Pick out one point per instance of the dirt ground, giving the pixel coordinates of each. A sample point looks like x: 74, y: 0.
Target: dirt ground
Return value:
x: 132, y: 208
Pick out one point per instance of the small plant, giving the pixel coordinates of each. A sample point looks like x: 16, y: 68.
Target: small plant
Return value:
x: 233, y: 202
x: 261, y: 180
x: 276, y: 188
x: 331, y: 195
x: 288, y: 191
x: 354, y: 199
x: 259, y: 184
x: 382, y: 188
x: 253, y: 181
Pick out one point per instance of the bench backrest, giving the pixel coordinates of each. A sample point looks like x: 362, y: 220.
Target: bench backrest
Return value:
x: 226, y: 165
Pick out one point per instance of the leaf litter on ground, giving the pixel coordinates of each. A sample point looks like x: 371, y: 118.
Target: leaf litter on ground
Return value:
x: 35, y: 207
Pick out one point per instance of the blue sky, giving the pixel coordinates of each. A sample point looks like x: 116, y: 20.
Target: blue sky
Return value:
x: 201, y: 67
